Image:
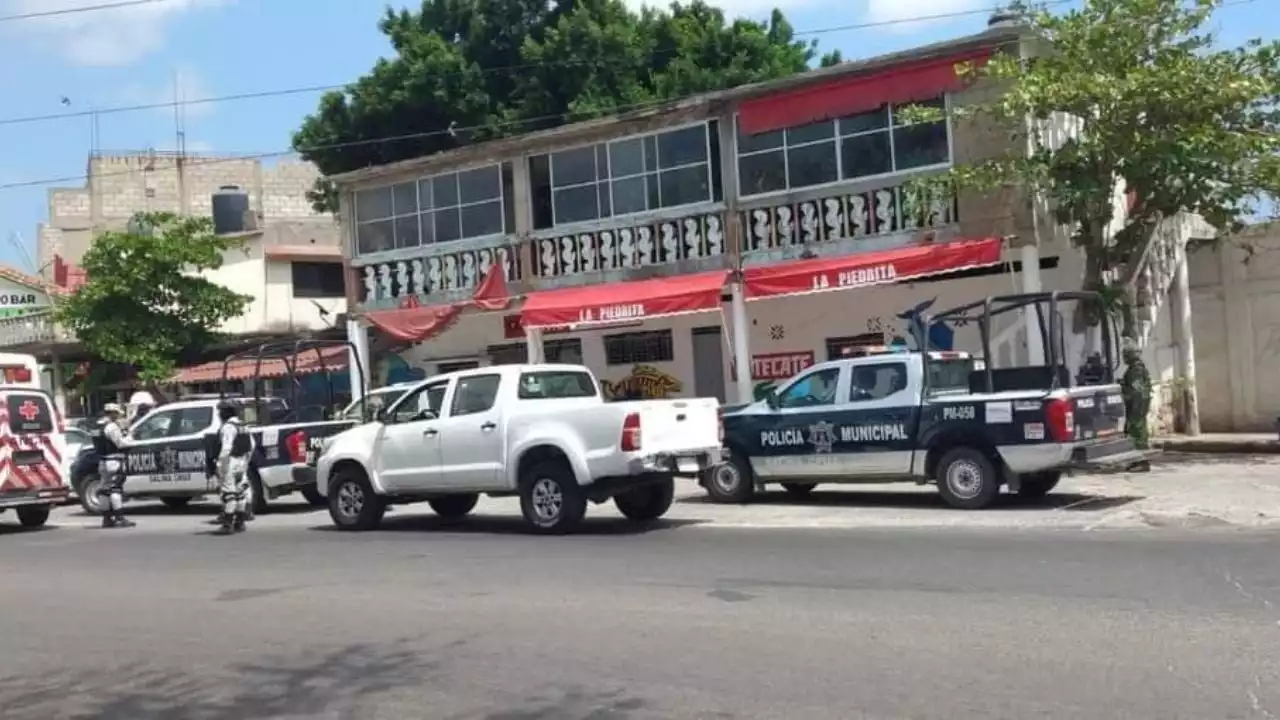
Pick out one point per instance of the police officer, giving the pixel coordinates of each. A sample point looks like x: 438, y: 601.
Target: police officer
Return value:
x: 109, y: 442
x: 235, y: 445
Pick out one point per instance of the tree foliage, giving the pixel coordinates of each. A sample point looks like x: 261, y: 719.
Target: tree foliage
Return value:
x: 508, y: 67
x: 144, y: 302
x: 1184, y: 123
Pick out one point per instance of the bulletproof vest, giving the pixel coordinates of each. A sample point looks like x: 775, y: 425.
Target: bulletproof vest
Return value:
x: 240, y: 447
x: 101, y: 443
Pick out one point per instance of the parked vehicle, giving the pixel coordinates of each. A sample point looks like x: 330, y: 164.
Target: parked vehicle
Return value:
x: 76, y: 440
x: 167, y: 458
x: 941, y: 417
x: 539, y: 432
x: 19, y: 370
x: 32, y: 480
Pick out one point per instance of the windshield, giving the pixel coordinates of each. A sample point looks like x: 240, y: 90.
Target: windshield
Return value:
x: 28, y: 413
x: 374, y: 401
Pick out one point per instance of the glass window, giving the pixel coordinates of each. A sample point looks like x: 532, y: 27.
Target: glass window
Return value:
x: 482, y: 219
x: 421, y: 404
x: 762, y: 172
x: 866, y: 155
x: 554, y: 385
x: 448, y: 226
x: 374, y: 236
x: 877, y: 382
x: 405, y: 198
x: 811, y: 164
x: 576, y: 204
x: 194, y: 420
x: 573, y: 167
x: 812, y: 390
x: 406, y: 230
x: 626, y: 158
x: 452, y: 206
x: 156, y: 425
x: 374, y: 401
x: 475, y: 394
x: 682, y: 147
x: 480, y: 185
x: 685, y: 186
x: 373, y: 205
x: 639, y: 347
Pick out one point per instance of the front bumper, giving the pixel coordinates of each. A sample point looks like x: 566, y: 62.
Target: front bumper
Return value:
x: 44, y: 496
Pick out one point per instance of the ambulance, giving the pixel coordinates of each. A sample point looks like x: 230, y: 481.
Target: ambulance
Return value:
x: 32, y: 478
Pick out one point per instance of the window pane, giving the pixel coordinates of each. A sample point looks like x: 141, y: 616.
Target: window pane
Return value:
x: 877, y: 382
x: 762, y: 173
x: 374, y: 237
x: 938, y: 104
x: 446, y: 222
x: 475, y: 394
x: 865, y: 155
x: 681, y: 147
x: 626, y: 158
x: 405, y: 197
x: 629, y: 195
x: 684, y: 186
x: 576, y: 204
x: 811, y: 133
x: 424, y: 195
x: 606, y: 203
x: 811, y: 165
x: 873, y: 120
x: 427, y: 227
x: 817, y: 388
x: 572, y: 167
x: 480, y: 184
x: 407, y: 231
x: 373, y: 204
x: 540, y: 191
x: 754, y: 143
x: 602, y: 161
x: 483, y: 219
x: 920, y: 145
x: 444, y: 191
x: 650, y: 153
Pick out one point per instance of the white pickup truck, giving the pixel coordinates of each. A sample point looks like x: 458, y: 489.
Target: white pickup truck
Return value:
x: 540, y: 432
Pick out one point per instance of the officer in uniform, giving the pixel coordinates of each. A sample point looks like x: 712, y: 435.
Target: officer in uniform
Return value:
x: 109, y: 442
x: 234, y: 447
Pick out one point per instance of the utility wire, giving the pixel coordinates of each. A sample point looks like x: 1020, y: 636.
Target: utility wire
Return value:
x: 78, y: 9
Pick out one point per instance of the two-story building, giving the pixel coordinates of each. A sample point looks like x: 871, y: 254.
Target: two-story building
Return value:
x: 711, y: 244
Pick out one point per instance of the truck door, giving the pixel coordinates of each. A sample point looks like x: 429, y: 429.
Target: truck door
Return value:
x: 876, y: 421
x: 166, y: 455
x: 791, y: 440
x: 408, y: 453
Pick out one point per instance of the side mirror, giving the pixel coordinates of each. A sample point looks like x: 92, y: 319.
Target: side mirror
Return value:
x: 380, y: 415
x: 772, y: 400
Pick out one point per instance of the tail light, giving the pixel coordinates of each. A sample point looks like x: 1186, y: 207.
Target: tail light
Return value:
x: 631, y: 433
x: 1061, y: 419
x: 22, y: 375
x: 296, y: 445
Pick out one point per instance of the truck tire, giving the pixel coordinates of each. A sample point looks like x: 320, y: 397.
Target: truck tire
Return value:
x: 90, y: 501
x: 34, y: 516
x: 1036, y: 485
x: 353, y: 505
x: 732, y: 481
x: 799, y: 490
x: 454, y: 507
x: 647, y: 503
x: 313, y: 496
x: 260, y: 502
x: 176, y: 503
x: 550, y: 499
x: 967, y: 479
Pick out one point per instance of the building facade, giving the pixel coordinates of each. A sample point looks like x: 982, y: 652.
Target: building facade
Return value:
x: 712, y: 245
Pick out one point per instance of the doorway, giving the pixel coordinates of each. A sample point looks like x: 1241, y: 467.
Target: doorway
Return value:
x: 708, y: 362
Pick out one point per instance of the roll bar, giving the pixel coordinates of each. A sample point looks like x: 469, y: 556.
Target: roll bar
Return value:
x: 289, y: 352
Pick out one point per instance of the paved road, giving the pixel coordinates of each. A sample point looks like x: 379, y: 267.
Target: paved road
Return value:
x: 474, y: 622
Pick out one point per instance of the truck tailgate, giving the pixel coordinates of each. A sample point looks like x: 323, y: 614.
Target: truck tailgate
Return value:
x: 1099, y: 411
x: 678, y: 426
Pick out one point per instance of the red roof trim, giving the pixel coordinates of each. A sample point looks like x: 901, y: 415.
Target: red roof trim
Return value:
x: 635, y: 300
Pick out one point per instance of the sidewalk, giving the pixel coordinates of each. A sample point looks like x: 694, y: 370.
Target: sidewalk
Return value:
x: 1221, y: 443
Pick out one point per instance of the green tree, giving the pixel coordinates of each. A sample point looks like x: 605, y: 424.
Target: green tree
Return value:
x: 1184, y: 123
x: 514, y: 66
x: 144, y: 302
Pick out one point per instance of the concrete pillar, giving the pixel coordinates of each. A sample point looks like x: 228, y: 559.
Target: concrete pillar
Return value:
x: 741, y: 342
x: 58, y: 382
x: 533, y: 346
x: 1030, y: 257
x: 1184, y: 338
x: 359, y: 367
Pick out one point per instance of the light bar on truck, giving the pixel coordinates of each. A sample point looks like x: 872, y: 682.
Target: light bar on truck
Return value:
x: 948, y: 355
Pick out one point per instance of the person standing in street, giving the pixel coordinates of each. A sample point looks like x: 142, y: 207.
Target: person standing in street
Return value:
x: 234, y: 447
x: 110, y: 441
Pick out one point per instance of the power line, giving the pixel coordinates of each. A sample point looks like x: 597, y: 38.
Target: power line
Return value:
x: 303, y: 90
x: 78, y: 9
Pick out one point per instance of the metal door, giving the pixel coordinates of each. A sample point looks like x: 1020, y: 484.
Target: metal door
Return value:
x: 708, y: 363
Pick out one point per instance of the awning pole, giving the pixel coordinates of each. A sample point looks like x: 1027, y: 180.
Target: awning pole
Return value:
x: 741, y: 340
x: 533, y: 346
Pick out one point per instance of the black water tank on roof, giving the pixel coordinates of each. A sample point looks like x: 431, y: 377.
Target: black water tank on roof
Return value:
x: 231, y: 211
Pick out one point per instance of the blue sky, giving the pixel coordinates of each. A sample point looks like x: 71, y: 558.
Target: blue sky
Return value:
x: 131, y: 56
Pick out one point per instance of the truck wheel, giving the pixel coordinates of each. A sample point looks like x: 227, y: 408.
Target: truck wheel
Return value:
x: 259, y: 504
x: 353, y: 505
x: 454, y: 507
x: 33, y: 515
x: 314, y: 497
x: 1036, y: 485
x: 967, y: 480
x: 799, y: 490
x: 731, y: 481
x: 647, y: 503
x: 176, y: 503
x: 90, y: 500
x: 550, y: 498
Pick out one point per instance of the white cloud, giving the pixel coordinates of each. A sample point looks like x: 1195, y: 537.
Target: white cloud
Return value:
x: 901, y: 11
x: 110, y: 37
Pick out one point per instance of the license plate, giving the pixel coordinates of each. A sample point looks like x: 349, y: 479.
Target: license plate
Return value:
x: 687, y: 465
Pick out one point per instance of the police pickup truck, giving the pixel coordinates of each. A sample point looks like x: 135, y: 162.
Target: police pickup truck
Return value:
x: 920, y: 417
x: 166, y: 457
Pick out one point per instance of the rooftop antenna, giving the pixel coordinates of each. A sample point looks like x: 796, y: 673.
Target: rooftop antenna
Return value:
x: 180, y: 132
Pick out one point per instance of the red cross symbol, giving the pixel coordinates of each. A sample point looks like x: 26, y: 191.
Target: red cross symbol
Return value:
x: 28, y: 410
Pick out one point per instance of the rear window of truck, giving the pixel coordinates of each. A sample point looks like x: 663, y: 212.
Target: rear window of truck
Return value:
x: 29, y: 413
x: 555, y: 384
x: 949, y: 376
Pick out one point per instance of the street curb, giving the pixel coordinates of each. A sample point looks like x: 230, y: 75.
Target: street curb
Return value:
x: 1219, y: 447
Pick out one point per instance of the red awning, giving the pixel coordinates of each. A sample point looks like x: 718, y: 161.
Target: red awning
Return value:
x: 636, y: 300
x: 869, y: 268
x: 415, y: 323
x: 308, y: 361
x: 914, y: 82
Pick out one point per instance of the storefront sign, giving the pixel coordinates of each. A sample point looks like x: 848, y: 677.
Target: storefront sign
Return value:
x: 644, y: 383
x: 856, y: 277
x: 17, y: 300
x: 779, y: 366
x: 610, y: 313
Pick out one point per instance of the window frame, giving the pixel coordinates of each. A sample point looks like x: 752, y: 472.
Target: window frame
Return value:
x: 670, y: 344
x: 837, y: 141
x: 853, y: 372
x: 458, y: 388
x: 835, y: 397
x: 322, y: 294
x: 417, y: 181
x: 521, y: 396
x: 413, y: 393
x: 708, y: 162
